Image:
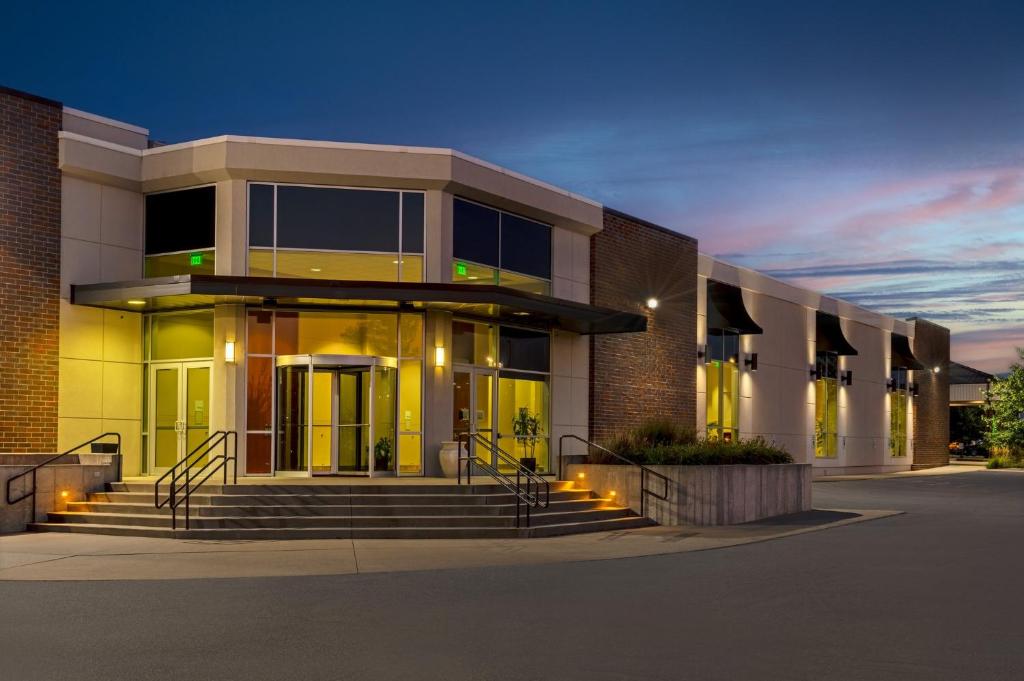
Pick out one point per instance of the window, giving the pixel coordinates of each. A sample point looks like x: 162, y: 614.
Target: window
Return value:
x: 523, y: 394
x: 494, y: 247
x: 898, y: 408
x: 722, y: 371
x: 180, y: 232
x: 826, y: 405
x: 335, y: 233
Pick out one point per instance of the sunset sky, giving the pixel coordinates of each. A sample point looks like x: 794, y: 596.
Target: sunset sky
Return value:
x: 873, y: 150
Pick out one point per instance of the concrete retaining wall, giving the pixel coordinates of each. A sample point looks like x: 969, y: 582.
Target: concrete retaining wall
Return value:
x: 705, y: 495
x: 77, y: 475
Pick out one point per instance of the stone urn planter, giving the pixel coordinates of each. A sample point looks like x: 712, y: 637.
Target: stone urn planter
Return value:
x: 449, y: 458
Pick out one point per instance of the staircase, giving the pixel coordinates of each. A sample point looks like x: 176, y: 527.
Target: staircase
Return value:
x: 319, y: 511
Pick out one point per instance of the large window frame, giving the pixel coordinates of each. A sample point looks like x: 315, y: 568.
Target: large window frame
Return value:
x: 899, y: 410
x: 722, y: 371
x: 468, y: 271
x: 826, y: 405
x: 274, y: 250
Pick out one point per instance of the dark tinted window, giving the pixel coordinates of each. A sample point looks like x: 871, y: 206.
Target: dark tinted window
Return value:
x: 337, y: 219
x: 261, y: 215
x: 827, y: 364
x: 522, y: 349
x: 412, y: 222
x: 525, y: 246
x: 475, y: 233
x: 723, y: 346
x: 181, y: 221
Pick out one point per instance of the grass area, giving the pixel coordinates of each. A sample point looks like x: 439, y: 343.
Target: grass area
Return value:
x: 660, y: 442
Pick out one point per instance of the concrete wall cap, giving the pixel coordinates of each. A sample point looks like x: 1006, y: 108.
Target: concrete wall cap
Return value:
x: 106, y: 121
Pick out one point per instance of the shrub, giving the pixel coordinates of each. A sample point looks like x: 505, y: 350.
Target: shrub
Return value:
x: 1006, y: 457
x: 664, y: 443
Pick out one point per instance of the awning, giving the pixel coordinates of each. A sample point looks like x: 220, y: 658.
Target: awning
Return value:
x: 476, y: 300
x: 902, y: 356
x: 830, y: 336
x: 726, y: 311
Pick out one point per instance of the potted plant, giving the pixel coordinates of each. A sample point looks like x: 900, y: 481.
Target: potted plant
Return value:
x: 382, y: 454
x: 526, y: 428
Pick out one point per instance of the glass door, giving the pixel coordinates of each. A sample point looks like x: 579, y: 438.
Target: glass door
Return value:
x: 180, y: 411
x: 474, y: 405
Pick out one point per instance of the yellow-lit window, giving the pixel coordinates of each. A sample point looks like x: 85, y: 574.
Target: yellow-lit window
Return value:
x: 898, y: 409
x: 523, y: 416
x: 826, y: 405
x: 722, y: 372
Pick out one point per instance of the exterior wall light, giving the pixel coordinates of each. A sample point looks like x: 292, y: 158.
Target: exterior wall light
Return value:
x: 702, y: 351
x: 581, y: 475
x: 64, y: 494
x: 890, y: 385
x: 846, y: 377
x: 612, y: 494
x: 815, y: 374
x: 229, y: 351
x: 652, y: 303
x: 937, y: 369
x: 439, y: 356
x: 914, y: 390
x: 751, y: 361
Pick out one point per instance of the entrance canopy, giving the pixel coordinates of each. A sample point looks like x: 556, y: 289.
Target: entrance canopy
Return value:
x: 479, y: 300
x: 902, y: 355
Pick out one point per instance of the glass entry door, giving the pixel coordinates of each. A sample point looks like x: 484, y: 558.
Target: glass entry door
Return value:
x: 179, y: 403
x: 340, y: 421
x: 474, y: 405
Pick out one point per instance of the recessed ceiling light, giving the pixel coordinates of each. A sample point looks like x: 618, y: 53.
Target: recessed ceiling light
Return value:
x: 521, y: 314
x: 472, y: 277
x: 314, y: 269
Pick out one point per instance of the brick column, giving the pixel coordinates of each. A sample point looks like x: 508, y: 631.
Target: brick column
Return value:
x: 638, y: 376
x: 931, y: 405
x: 29, y: 271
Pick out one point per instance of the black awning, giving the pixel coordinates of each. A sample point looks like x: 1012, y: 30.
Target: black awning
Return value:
x: 902, y: 356
x: 726, y: 311
x: 830, y: 336
x: 479, y: 300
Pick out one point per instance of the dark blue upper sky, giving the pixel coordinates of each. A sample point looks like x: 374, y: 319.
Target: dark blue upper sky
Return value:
x: 885, y: 137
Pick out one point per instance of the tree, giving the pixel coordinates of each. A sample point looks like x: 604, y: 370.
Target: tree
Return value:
x: 1005, y: 415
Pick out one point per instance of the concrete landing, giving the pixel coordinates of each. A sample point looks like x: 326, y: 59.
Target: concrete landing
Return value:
x: 54, y: 556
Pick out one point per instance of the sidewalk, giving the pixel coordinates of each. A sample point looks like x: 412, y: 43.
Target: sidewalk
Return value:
x: 952, y: 469
x: 58, y: 556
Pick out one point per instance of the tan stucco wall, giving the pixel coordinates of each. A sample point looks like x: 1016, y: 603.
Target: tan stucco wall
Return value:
x: 100, y: 380
x: 777, y: 401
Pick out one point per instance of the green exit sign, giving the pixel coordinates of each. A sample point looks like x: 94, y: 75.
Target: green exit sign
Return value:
x: 460, y: 269
x: 195, y: 259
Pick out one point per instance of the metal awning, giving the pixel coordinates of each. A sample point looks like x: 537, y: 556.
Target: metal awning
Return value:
x: 477, y: 300
x: 726, y: 311
x: 902, y: 355
x: 830, y: 337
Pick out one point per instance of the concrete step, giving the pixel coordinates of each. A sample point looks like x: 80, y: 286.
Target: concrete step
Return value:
x: 329, y: 509
x: 314, y: 488
x: 623, y: 523
x: 389, y: 499
x: 305, y: 522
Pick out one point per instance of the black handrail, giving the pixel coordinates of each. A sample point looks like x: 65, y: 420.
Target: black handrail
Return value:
x: 32, y: 471
x: 179, y: 493
x: 644, y: 470
x: 528, y: 495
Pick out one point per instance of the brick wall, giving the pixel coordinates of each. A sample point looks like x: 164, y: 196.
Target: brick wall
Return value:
x: 931, y: 405
x: 29, y: 271
x: 636, y: 376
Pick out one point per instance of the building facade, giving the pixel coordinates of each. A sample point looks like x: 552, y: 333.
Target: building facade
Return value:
x: 348, y: 308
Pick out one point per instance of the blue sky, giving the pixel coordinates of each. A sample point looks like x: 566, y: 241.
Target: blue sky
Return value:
x: 874, y: 150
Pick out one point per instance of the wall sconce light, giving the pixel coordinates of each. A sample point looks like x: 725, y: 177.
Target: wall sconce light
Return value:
x: 751, y: 361
x: 652, y: 303
x: 229, y: 351
x: 937, y: 369
x: 914, y: 390
x: 439, y: 356
x: 890, y: 385
x: 702, y: 351
x: 846, y: 377
x: 815, y: 374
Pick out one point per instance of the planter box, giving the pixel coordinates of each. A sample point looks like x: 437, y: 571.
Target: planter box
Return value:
x: 706, y: 495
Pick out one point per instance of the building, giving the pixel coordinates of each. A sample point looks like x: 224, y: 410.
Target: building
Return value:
x: 347, y: 308
x: 967, y: 400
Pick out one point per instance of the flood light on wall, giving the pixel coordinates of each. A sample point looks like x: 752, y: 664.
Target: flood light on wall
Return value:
x: 229, y: 351
x: 439, y: 356
x: 652, y: 303
x: 751, y: 362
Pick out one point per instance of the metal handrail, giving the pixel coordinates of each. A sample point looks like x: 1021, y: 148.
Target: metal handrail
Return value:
x: 644, y: 470
x: 528, y: 495
x: 32, y: 471
x: 179, y: 493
